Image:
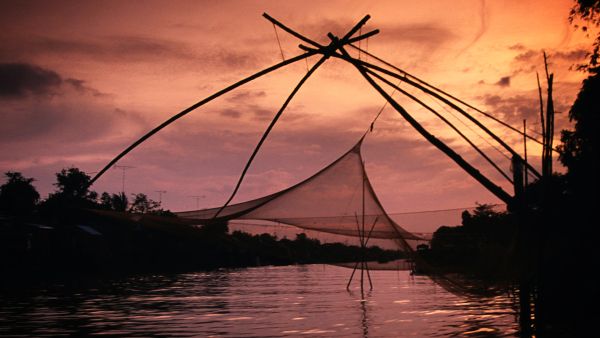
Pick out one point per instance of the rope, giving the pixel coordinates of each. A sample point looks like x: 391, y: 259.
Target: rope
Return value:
x: 359, y: 41
x: 306, y: 61
x: 372, y: 125
x: 453, y: 97
x: 266, y: 133
x: 339, y: 217
x: 367, y: 48
x: 278, y: 42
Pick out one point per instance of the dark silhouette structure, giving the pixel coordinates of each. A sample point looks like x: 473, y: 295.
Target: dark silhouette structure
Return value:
x: 530, y: 241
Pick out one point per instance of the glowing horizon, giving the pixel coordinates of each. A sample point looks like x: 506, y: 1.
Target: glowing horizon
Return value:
x: 115, y: 70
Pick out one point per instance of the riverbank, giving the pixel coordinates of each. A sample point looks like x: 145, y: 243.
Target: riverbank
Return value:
x: 92, y: 242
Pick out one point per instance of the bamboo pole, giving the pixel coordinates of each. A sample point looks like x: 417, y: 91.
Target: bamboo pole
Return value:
x: 526, y: 178
x: 547, y: 169
x: 493, y: 188
x: 452, y: 105
x: 327, y: 51
x: 436, y: 95
x: 268, y: 130
x: 463, y: 136
x: 452, y: 97
x: 195, y: 106
x: 543, y: 123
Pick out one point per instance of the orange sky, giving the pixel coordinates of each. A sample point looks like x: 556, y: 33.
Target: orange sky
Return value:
x: 112, y: 70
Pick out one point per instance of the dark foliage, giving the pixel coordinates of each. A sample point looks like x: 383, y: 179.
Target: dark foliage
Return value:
x: 480, y: 246
x: 589, y: 12
x: 18, y: 196
x: 581, y: 153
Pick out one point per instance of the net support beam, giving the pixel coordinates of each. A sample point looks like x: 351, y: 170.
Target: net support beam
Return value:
x: 472, y: 171
x: 194, y: 107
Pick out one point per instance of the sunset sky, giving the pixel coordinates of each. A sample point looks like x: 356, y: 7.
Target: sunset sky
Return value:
x: 88, y: 78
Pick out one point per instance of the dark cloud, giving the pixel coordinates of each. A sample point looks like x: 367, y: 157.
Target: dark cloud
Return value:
x: 263, y: 114
x: 429, y: 34
x: 528, y: 55
x: 318, y: 30
x: 233, y: 60
x: 513, y: 109
x: 517, y: 46
x: 503, y: 82
x: 233, y: 113
x: 129, y: 49
x: 421, y: 33
x: 245, y: 95
x: 574, y: 55
x: 81, y: 87
x: 63, y: 120
x: 19, y: 80
x: 535, y: 56
x: 111, y: 48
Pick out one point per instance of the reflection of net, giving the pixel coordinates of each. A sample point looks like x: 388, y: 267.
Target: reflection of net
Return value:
x: 395, y: 265
x: 338, y: 200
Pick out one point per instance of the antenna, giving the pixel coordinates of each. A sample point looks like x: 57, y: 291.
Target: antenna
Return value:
x: 123, y: 168
x: 160, y: 192
x: 198, y: 200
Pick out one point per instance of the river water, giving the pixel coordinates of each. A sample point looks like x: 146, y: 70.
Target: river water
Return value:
x: 302, y: 300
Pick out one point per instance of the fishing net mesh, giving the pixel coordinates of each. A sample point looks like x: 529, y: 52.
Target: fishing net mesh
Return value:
x: 339, y: 200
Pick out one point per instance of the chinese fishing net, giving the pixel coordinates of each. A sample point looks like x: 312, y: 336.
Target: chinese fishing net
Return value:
x: 338, y: 200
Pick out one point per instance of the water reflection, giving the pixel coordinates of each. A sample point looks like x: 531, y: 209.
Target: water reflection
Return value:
x: 267, y: 301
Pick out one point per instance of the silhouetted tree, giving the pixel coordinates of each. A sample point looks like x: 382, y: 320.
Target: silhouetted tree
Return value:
x: 589, y: 12
x: 73, y: 192
x: 74, y: 183
x: 18, y: 196
x: 119, y: 202
x: 580, y: 151
x: 219, y: 228
x: 105, y: 201
x: 142, y: 204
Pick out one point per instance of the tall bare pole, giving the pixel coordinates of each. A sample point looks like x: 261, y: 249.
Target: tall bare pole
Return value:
x: 123, y: 168
x: 542, y: 119
x: 198, y: 197
x: 160, y: 193
x: 525, y: 151
x: 549, y: 136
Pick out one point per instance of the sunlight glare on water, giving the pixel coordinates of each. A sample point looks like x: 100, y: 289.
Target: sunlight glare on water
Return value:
x: 301, y: 300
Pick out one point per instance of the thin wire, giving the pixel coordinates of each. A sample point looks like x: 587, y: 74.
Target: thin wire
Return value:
x: 278, y: 42
x: 367, y: 48
x: 389, y: 214
x: 372, y: 125
x: 466, y: 125
x: 359, y: 41
x: 452, y: 97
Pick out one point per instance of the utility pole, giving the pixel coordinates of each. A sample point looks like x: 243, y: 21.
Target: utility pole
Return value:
x: 123, y: 168
x: 160, y: 192
x: 198, y: 200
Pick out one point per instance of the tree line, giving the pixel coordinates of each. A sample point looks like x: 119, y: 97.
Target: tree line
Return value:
x: 19, y: 197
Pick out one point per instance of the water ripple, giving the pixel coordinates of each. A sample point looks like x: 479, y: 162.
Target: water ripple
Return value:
x: 308, y: 300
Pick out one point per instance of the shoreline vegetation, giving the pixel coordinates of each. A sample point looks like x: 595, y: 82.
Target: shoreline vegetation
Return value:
x: 77, y: 231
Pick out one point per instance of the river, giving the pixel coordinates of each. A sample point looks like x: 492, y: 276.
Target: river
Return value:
x: 302, y: 300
